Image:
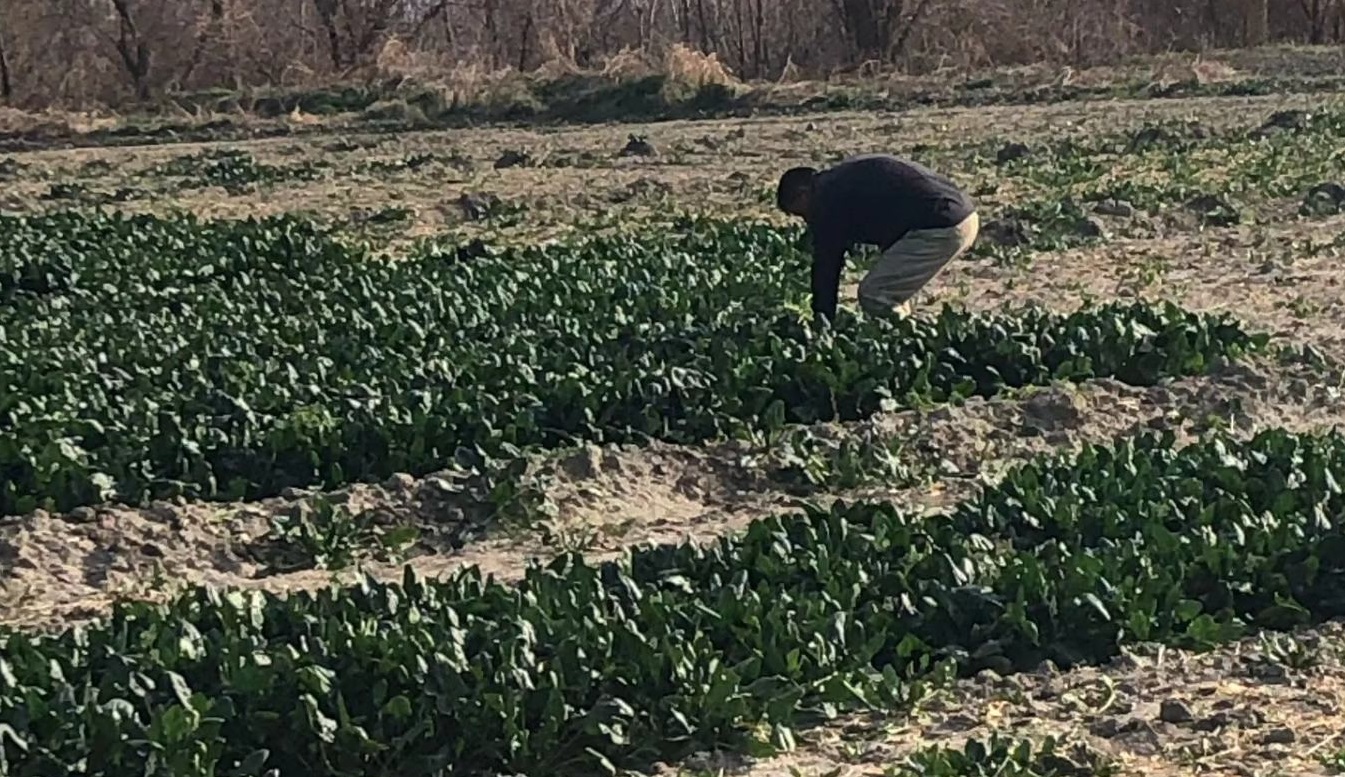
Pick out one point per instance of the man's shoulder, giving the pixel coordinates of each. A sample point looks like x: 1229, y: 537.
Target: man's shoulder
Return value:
x: 873, y: 161
x: 872, y: 169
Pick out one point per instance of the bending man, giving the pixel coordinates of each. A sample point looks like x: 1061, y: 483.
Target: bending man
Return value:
x: 919, y: 219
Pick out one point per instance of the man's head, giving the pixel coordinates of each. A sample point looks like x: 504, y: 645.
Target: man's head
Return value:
x: 795, y: 193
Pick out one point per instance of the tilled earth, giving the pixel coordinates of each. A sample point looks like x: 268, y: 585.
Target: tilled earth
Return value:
x: 1259, y: 707
x: 1271, y: 705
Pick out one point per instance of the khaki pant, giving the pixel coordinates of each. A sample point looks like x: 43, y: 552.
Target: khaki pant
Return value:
x: 911, y: 262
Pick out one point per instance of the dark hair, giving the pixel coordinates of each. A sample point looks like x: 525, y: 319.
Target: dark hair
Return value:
x: 795, y: 181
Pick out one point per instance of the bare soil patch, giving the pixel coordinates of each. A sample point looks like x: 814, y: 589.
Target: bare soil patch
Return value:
x: 60, y: 568
x: 1260, y: 707
x: 578, y: 175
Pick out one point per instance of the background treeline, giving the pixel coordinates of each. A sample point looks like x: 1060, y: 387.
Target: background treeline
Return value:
x: 109, y: 52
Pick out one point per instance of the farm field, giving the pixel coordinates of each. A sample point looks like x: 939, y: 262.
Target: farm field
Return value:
x: 1090, y: 493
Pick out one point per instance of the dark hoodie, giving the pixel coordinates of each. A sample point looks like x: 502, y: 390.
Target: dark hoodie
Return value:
x: 873, y: 199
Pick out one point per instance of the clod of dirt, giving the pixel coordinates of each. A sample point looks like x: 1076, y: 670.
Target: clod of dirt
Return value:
x: 83, y: 515
x: 585, y: 464
x: 1091, y: 226
x: 1106, y: 728
x: 1175, y: 711
x: 1279, y: 736
x: 1324, y: 199
x: 1148, y: 137
x: 1215, y: 722
x: 474, y: 249
x: 638, y: 145
x: 1012, y: 152
x: 514, y: 158
x: 1294, y: 119
x: 1214, y: 210
x: 476, y: 207
x: 1052, y: 411
x: 375, y: 216
x: 1116, y: 208
x: 1140, y: 737
x: 1006, y: 232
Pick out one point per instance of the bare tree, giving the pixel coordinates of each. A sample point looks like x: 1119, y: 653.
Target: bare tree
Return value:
x: 1256, y: 25
x: 1318, y: 12
x: 57, y: 51
x: 134, y: 51
x: 6, y: 84
x: 212, y: 28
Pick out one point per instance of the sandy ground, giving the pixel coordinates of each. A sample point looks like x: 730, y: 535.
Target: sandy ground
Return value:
x: 1278, y: 275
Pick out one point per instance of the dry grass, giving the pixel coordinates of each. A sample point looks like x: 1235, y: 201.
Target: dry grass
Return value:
x: 53, y: 121
x: 72, y: 53
x: 559, y: 86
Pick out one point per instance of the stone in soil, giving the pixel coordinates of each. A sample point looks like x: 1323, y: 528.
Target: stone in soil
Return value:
x: 1005, y: 232
x: 1175, y: 711
x: 1115, y: 208
x: 638, y: 145
x: 1324, y: 199
x: 513, y: 158
x: 1012, y: 152
x: 1293, y: 119
x: 1091, y: 226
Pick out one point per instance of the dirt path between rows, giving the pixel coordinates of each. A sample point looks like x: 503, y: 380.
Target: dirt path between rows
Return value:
x: 60, y: 568
x: 1257, y: 708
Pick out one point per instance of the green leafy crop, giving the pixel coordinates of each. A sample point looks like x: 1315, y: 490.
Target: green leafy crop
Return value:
x: 675, y: 648
x: 142, y: 357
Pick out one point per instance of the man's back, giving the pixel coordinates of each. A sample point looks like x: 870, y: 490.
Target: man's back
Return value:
x: 876, y: 199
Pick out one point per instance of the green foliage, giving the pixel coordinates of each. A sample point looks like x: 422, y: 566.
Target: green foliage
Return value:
x: 676, y: 648
x: 1000, y: 757
x: 1205, y: 538
x: 148, y: 358
x: 11, y: 169
x: 234, y: 171
x: 807, y: 461
x: 1334, y: 761
x: 1159, y: 167
x: 319, y: 534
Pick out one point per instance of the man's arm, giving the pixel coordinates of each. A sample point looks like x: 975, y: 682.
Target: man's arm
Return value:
x: 828, y: 259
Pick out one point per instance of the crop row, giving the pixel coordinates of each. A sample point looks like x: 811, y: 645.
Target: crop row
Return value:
x: 1161, y: 165
x: 1219, y: 176
x: 142, y: 357
x: 674, y: 648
